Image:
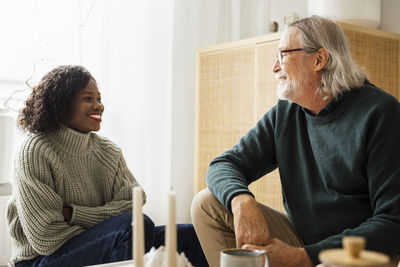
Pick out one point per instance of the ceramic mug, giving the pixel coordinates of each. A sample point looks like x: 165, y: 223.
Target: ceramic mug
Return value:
x: 234, y: 257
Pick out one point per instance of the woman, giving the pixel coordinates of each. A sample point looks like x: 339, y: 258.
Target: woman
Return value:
x: 73, y: 189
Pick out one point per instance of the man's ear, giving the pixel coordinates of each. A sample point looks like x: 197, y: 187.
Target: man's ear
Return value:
x: 322, y: 57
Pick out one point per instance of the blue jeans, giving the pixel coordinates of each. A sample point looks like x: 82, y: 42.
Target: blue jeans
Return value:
x: 111, y: 241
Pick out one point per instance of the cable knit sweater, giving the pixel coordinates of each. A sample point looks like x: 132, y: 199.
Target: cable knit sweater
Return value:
x: 67, y: 168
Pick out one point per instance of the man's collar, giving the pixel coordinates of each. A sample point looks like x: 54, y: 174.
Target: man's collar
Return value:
x: 329, y: 107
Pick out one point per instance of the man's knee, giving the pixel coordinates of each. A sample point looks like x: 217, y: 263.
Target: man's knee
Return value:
x: 203, y: 204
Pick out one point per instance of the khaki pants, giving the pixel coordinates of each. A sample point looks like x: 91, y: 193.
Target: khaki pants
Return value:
x: 215, y: 228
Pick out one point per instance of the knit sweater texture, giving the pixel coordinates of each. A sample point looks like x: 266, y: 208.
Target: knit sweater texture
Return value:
x: 340, y: 169
x: 66, y: 168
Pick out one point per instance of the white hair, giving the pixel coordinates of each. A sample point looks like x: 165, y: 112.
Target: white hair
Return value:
x: 340, y: 73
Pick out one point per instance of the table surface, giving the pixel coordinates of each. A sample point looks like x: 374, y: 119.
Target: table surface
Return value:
x: 130, y: 263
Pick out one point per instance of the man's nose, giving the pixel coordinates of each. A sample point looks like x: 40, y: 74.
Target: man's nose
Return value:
x: 276, y: 67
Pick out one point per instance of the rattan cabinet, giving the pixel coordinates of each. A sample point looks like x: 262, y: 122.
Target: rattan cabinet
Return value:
x: 235, y: 87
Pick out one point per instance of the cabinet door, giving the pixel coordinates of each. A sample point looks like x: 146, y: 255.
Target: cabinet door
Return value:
x: 378, y: 53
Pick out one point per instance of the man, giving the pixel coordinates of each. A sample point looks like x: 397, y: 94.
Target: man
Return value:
x: 336, y: 140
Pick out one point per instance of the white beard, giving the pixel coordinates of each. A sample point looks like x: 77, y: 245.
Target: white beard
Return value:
x: 291, y: 89
x: 287, y: 89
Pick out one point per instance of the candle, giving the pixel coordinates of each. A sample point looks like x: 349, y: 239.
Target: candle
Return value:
x: 138, y: 233
x: 170, y: 235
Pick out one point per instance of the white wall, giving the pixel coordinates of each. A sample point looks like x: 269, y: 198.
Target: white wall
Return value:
x: 390, y: 16
x: 390, y: 10
x: 282, y: 8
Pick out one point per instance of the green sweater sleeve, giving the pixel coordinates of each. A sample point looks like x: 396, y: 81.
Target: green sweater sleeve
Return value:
x: 121, y: 187
x: 243, y: 164
x: 35, y: 213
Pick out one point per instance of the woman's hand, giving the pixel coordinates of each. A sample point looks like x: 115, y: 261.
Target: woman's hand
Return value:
x: 67, y: 213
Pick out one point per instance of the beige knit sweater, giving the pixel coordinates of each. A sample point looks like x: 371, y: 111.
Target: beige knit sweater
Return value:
x: 67, y: 168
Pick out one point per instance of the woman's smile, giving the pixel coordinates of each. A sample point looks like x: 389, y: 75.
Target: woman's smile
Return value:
x: 95, y: 116
x: 86, y: 109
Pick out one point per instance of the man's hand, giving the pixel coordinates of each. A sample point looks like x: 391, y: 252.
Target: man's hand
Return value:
x: 281, y: 254
x: 249, y: 222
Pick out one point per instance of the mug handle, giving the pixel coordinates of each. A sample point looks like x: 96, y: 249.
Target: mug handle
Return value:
x: 266, y: 257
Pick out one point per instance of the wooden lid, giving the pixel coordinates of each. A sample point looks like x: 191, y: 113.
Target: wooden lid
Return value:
x: 353, y: 254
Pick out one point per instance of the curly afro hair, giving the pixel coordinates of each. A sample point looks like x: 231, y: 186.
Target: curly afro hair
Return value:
x: 47, y: 107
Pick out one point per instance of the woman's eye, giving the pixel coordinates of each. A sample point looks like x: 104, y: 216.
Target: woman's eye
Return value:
x: 88, y: 98
x: 99, y: 100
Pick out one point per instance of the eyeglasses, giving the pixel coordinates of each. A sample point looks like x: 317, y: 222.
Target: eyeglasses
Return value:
x: 280, y: 56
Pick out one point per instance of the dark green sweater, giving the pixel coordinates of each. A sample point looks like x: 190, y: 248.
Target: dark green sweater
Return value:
x: 340, y: 170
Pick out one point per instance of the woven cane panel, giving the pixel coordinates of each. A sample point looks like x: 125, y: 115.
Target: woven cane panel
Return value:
x: 226, y: 101
x: 379, y: 56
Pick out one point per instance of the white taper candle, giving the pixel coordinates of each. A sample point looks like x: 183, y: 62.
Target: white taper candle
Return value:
x: 170, y: 235
x: 138, y: 231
